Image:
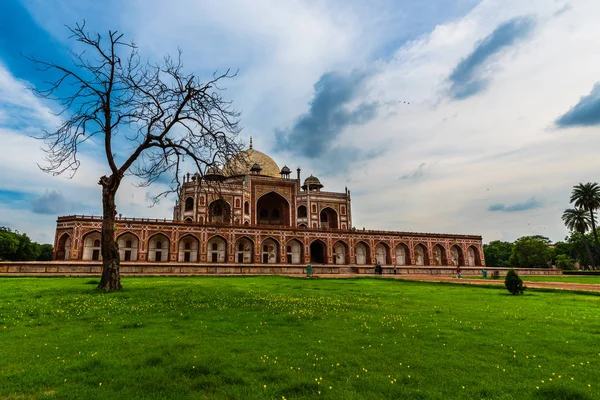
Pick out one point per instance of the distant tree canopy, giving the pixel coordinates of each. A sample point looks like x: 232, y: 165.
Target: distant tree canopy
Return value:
x: 15, y: 246
x: 530, y: 252
x: 525, y: 252
x: 536, y: 252
x: 497, y: 253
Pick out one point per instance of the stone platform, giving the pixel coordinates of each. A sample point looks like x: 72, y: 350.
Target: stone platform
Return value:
x: 92, y: 268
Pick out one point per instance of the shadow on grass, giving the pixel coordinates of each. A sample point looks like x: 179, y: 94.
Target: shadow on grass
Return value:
x: 562, y: 393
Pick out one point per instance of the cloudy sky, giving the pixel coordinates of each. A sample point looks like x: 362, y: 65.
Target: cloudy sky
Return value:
x: 459, y: 116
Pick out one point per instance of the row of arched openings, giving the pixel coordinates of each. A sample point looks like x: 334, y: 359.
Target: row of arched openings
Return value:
x: 159, y: 248
x: 272, y: 209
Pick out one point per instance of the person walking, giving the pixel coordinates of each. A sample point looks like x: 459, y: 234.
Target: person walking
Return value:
x: 458, y: 272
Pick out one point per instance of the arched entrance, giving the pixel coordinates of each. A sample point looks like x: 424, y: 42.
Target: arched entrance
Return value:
x: 189, y: 204
x: 188, y: 249
x: 302, y: 212
x: 456, y: 256
x: 439, y: 255
x: 421, y: 255
x: 328, y: 218
x: 243, y: 251
x: 217, y: 249
x: 64, y: 247
x: 158, y: 248
x: 91, y: 247
x: 473, y: 257
x: 293, y: 252
x: 382, y: 254
x: 361, y: 253
x: 270, y: 250
x: 402, y: 255
x: 128, y: 247
x: 340, y: 253
x: 318, y: 252
x: 272, y: 209
x: 219, y: 212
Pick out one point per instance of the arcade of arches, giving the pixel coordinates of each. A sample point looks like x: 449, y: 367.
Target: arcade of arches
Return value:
x: 219, y: 249
x: 261, y: 214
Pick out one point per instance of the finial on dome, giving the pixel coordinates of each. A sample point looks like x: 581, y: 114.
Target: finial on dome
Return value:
x: 250, y: 141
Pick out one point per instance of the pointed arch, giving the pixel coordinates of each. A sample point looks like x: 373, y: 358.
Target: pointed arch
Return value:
x: 158, y: 247
x: 92, y: 246
x: 216, y: 249
x: 269, y: 251
x: 439, y: 255
x: 382, y: 253
x: 340, y: 253
x: 293, y: 251
x: 473, y: 256
x: 63, y: 251
x: 273, y: 209
x: 302, y: 212
x: 188, y: 248
x: 219, y: 212
x: 457, y: 256
x: 244, y: 250
x: 189, y: 204
x: 402, y: 254
x: 129, y: 244
x: 247, y: 208
x: 421, y: 255
x: 362, y: 253
x: 318, y: 252
x: 328, y: 218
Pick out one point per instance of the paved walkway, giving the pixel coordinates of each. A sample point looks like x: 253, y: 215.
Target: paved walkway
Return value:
x: 467, y: 281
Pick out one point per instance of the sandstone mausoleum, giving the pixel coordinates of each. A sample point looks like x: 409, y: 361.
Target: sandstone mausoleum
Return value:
x: 261, y: 219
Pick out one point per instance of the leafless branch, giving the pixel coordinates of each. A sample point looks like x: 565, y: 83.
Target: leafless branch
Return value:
x: 163, y: 115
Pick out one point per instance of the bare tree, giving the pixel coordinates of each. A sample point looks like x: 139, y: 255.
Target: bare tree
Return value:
x: 166, y: 115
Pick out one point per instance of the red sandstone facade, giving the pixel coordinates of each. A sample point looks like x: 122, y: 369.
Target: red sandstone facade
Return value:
x: 261, y: 216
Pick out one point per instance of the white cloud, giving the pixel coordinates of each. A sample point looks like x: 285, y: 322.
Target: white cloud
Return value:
x: 496, y: 147
x: 538, y: 80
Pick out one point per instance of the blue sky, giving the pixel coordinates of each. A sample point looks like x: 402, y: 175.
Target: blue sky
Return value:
x: 464, y: 116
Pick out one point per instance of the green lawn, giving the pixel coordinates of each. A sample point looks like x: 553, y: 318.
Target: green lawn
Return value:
x: 564, y: 278
x: 294, y: 338
x: 590, y: 279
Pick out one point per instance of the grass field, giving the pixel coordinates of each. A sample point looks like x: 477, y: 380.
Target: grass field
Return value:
x: 589, y: 279
x: 564, y: 278
x: 294, y: 338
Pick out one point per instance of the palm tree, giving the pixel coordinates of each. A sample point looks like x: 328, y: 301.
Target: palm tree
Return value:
x: 587, y: 196
x: 578, y: 220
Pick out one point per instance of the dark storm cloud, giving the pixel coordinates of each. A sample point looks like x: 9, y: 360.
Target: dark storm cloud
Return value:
x: 331, y: 110
x: 468, y: 77
x: 530, y: 204
x: 53, y: 202
x: 585, y: 113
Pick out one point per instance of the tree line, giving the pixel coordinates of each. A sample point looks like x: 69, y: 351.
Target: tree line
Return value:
x: 15, y: 246
x: 580, y: 249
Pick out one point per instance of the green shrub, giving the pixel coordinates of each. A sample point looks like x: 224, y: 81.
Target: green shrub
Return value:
x: 495, y: 274
x: 564, y: 262
x: 513, y: 283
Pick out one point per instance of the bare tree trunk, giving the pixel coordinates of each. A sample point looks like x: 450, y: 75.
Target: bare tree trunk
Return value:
x: 111, y: 262
x: 596, y: 243
x: 589, y: 253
